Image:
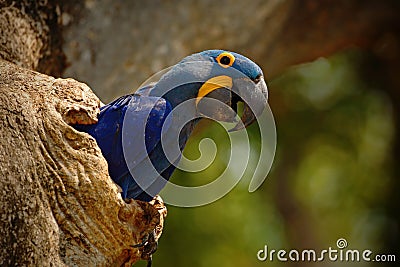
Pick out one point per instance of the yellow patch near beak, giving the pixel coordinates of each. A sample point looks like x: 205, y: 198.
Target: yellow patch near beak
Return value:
x: 213, y: 84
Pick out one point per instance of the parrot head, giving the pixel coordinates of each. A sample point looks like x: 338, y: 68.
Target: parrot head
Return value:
x: 217, y: 80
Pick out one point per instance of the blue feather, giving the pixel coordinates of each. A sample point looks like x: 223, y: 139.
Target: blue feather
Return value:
x: 129, y: 114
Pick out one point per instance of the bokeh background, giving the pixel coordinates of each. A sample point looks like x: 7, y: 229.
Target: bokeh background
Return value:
x: 333, y: 73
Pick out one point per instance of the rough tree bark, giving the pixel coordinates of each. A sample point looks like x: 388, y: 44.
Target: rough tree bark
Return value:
x: 58, y: 204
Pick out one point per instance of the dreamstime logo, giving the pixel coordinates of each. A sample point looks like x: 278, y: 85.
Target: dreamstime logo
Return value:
x: 148, y: 177
x: 331, y: 254
x: 341, y: 243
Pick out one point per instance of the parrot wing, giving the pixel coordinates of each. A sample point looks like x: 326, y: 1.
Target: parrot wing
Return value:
x: 128, y: 130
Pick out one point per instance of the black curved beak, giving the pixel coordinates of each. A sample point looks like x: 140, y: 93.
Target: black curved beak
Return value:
x: 254, y: 95
x: 219, y: 109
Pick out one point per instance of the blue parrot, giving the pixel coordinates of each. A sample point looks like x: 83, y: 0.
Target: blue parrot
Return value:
x: 134, y: 131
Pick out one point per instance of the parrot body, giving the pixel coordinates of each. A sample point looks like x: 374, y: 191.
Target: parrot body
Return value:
x: 130, y: 129
x: 108, y: 134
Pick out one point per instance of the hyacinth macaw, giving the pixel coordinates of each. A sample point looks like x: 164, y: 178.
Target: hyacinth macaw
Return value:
x: 129, y: 129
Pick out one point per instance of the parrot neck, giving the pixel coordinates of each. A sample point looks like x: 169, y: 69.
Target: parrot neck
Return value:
x: 177, y: 95
x: 180, y: 84
x: 186, y: 132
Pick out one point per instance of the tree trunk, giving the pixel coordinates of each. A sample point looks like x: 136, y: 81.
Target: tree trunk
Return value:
x: 58, y: 204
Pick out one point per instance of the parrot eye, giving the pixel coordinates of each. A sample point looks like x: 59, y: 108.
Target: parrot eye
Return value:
x: 225, y: 59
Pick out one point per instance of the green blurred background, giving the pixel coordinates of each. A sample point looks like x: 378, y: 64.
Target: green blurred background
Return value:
x: 330, y: 179
x: 332, y: 68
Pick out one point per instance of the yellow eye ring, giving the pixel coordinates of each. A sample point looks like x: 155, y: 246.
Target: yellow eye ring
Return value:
x: 225, y: 59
